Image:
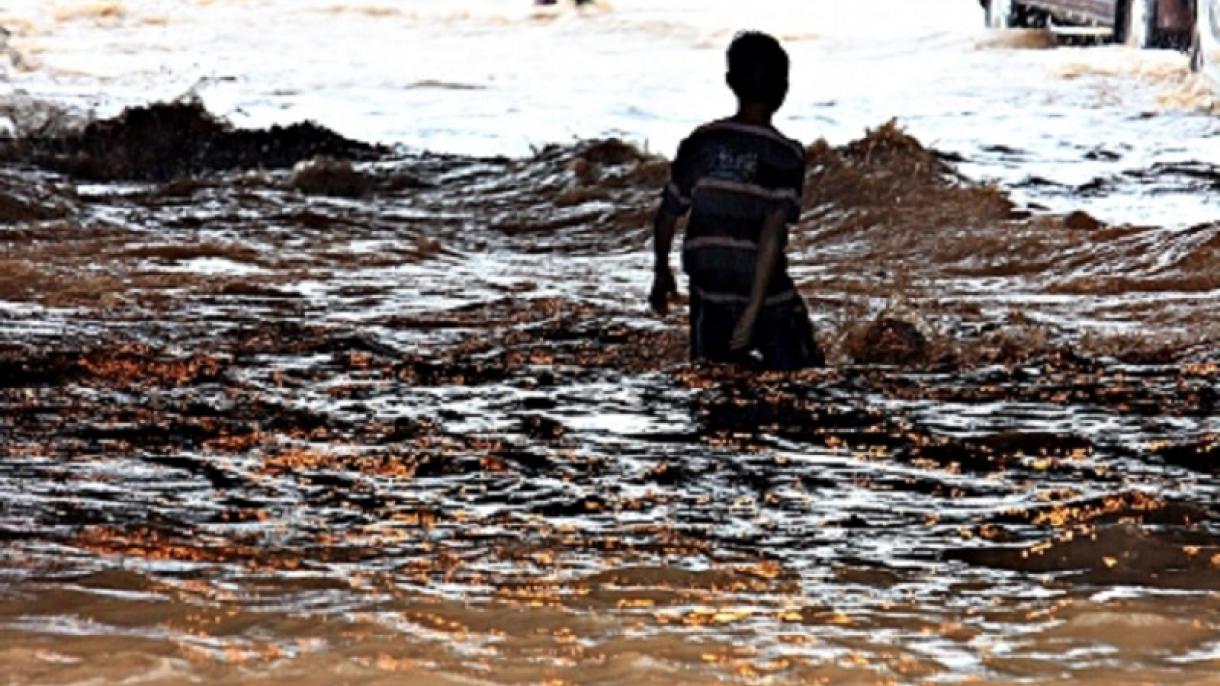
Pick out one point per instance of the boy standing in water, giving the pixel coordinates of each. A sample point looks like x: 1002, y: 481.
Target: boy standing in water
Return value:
x: 741, y: 181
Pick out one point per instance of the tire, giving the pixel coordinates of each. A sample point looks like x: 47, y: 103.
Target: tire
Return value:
x: 1137, y: 24
x: 1002, y: 14
x: 1196, y: 48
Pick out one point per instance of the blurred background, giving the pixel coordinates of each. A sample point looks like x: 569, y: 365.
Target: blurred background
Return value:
x: 492, y: 77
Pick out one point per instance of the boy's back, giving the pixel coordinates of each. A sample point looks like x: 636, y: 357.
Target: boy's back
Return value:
x: 741, y: 182
x: 730, y: 177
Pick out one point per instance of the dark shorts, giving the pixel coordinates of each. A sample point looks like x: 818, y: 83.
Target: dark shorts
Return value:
x: 783, y: 336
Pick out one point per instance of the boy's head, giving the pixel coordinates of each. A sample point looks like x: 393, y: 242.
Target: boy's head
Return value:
x: 758, y: 69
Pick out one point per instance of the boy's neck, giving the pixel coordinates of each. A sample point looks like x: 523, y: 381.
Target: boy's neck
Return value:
x: 755, y: 113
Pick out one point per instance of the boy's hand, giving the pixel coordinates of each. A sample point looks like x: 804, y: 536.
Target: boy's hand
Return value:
x: 743, y: 333
x: 663, y: 286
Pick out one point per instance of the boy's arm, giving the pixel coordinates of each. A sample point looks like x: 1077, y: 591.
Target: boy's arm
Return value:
x: 675, y: 203
x: 770, y: 243
x: 663, y: 284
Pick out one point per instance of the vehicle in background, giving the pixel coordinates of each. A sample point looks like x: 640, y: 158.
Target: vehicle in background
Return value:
x: 1205, y: 41
x: 1138, y: 23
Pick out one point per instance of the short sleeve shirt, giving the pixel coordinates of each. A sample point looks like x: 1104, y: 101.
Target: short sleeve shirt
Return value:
x: 730, y: 177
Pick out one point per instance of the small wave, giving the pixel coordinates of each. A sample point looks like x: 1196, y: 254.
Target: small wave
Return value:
x: 565, y: 7
x: 1018, y: 39
x: 26, y: 117
x: 375, y: 11
x: 1191, y: 94
x: 1115, y: 554
x: 457, y: 14
x: 318, y: 392
x: 17, y: 26
x: 99, y: 12
x: 164, y: 141
x: 13, y: 44
x: 1151, y: 66
x: 434, y: 84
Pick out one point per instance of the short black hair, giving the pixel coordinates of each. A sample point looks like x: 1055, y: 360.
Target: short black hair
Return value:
x: 758, y: 69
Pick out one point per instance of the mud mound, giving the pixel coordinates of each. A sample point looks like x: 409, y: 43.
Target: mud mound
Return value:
x: 889, y: 147
x: 169, y: 140
x: 1082, y: 221
x: 892, y: 177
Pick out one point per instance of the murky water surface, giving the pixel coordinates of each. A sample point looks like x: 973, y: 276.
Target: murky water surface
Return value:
x: 405, y: 420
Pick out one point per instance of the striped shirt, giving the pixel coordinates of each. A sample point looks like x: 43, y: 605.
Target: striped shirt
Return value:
x: 730, y: 177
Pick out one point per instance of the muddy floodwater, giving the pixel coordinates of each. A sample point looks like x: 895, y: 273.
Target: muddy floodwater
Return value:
x: 338, y: 370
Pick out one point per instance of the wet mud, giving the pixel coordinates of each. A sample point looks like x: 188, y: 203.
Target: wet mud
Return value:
x: 313, y: 407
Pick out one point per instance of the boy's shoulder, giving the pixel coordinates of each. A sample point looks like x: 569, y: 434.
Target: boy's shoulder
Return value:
x: 727, y: 127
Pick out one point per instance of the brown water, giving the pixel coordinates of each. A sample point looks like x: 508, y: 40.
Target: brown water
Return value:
x: 408, y: 421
